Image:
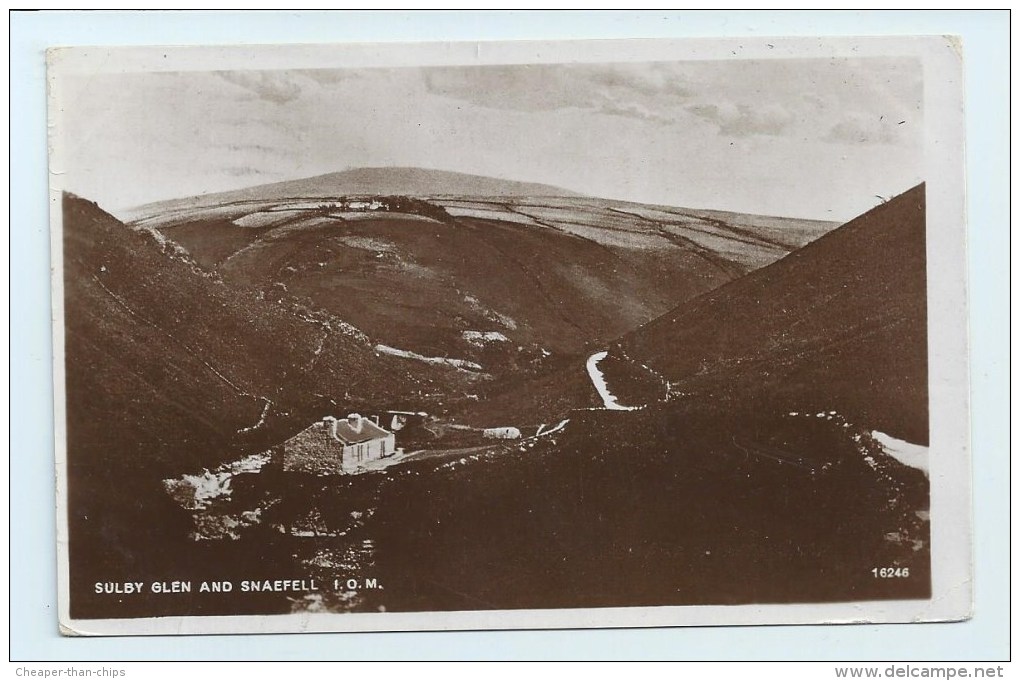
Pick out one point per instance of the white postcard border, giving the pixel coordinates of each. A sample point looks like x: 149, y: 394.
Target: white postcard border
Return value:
x: 952, y: 531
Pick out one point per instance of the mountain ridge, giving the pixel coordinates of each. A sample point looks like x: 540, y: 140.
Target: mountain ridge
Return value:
x: 377, y: 180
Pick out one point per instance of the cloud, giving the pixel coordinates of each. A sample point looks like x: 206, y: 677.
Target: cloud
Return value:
x: 259, y: 148
x: 742, y: 120
x: 642, y: 91
x: 241, y: 171
x: 516, y: 88
x: 656, y: 79
x: 631, y: 110
x: 273, y: 86
x: 858, y: 128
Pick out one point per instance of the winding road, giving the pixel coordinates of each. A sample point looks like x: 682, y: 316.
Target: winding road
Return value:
x: 601, y: 387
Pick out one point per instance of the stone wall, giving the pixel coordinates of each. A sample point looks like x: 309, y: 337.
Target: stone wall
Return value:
x: 314, y: 450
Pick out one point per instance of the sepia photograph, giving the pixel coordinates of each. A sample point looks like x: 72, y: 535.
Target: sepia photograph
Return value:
x: 509, y: 335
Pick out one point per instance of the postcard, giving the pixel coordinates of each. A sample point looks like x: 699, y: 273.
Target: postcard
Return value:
x: 386, y: 337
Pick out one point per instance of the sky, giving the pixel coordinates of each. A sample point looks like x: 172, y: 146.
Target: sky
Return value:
x: 814, y: 138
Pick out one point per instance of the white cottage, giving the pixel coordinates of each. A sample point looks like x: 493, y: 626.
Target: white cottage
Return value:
x: 334, y: 446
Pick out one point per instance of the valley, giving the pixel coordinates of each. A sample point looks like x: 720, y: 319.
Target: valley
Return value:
x: 600, y: 403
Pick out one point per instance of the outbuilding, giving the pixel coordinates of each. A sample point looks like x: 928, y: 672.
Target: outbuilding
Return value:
x: 503, y: 433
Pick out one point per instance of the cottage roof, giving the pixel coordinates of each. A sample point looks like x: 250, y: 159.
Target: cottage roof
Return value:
x: 346, y: 433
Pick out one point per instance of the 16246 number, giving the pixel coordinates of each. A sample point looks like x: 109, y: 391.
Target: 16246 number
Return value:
x: 890, y: 572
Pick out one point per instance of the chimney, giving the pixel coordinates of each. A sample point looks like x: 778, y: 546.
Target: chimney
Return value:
x: 331, y: 422
x: 354, y: 421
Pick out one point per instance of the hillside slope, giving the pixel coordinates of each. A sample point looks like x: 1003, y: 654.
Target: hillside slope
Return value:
x: 156, y: 344
x: 429, y: 275
x: 170, y: 370
x: 840, y: 324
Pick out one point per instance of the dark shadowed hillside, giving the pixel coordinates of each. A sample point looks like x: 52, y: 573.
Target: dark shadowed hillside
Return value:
x: 169, y: 370
x: 663, y: 506
x: 840, y: 324
x: 174, y: 350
